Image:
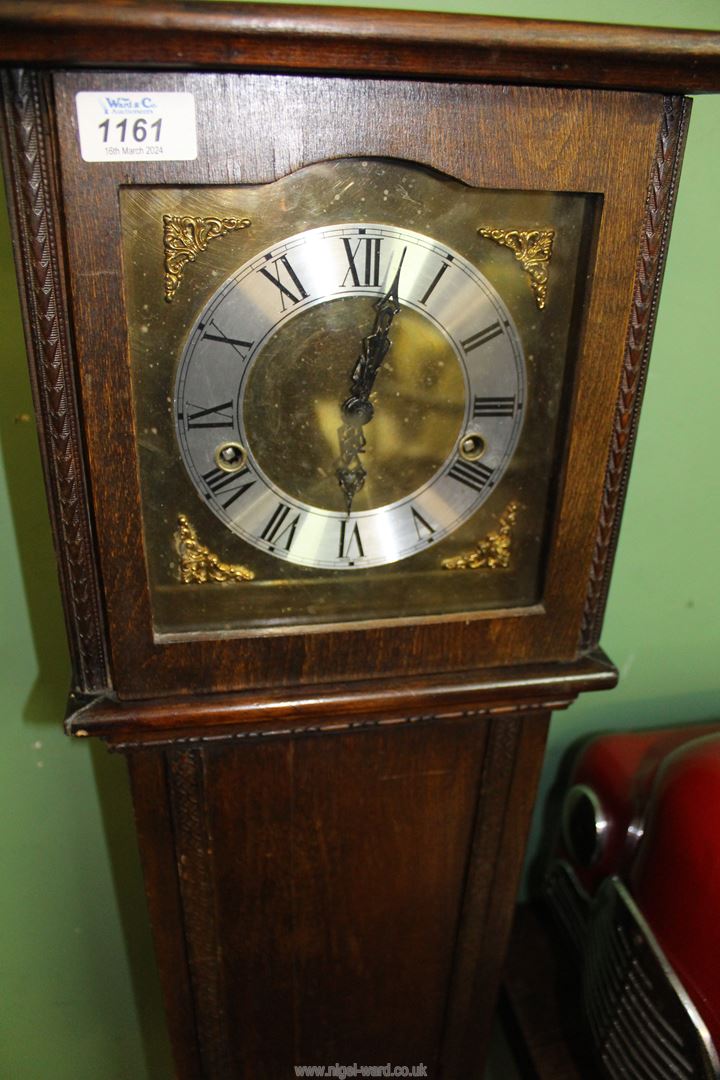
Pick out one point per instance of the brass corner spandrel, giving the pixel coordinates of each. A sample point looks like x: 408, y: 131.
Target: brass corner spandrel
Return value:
x: 533, y: 249
x: 198, y: 565
x: 184, y: 238
x: 493, y: 551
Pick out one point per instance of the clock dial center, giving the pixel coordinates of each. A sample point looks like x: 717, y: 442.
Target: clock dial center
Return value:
x: 295, y: 389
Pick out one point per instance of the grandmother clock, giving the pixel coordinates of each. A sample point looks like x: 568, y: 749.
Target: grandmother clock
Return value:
x: 338, y: 324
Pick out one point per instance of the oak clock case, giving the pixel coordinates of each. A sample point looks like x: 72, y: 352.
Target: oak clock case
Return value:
x: 348, y: 392
x: 337, y: 421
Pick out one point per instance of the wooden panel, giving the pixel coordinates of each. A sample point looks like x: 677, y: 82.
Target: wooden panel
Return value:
x: 356, y: 849
x: 252, y: 816
x: 330, y: 890
x: 368, y: 42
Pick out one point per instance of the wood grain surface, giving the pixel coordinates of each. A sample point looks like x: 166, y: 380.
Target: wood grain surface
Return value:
x: 333, y: 708
x: 367, y: 42
x: 336, y: 899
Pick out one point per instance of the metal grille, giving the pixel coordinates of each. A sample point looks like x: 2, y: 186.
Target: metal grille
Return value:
x: 643, y: 1025
x: 568, y: 902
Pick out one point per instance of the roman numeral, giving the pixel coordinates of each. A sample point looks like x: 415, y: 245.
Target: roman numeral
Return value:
x: 279, y: 532
x: 423, y: 528
x: 493, y: 406
x: 433, y: 283
x: 366, y: 269
x: 283, y: 270
x: 242, y: 348
x: 482, y: 337
x: 215, y: 416
x: 349, y: 539
x: 229, y: 483
x: 472, y: 474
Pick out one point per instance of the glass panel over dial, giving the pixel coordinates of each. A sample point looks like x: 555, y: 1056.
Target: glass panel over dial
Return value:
x: 334, y: 427
x: 349, y: 387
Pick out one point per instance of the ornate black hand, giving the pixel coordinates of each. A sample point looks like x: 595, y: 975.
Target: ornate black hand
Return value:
x: 357, y: 409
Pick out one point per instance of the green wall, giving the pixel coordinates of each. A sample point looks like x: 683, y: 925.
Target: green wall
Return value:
x: 80, y: 997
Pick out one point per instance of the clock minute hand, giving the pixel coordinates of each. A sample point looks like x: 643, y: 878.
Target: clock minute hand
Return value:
x: 376, y: 344
x: 357, y: 409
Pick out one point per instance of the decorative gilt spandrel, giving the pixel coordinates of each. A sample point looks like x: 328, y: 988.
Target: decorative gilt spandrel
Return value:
x: 198, y: 565
x: 491, y: 552
x: 186, y: 237
x: 283, y: 596
x: 533, y: 249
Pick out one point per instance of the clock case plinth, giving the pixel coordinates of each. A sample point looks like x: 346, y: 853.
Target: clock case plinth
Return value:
x: 331, y: 856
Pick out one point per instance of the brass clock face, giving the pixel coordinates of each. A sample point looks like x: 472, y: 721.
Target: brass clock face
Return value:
x: 349, y: 391
x: 350, y: 396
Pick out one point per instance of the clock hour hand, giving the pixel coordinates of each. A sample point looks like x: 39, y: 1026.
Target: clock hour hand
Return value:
x: 357, y: 409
